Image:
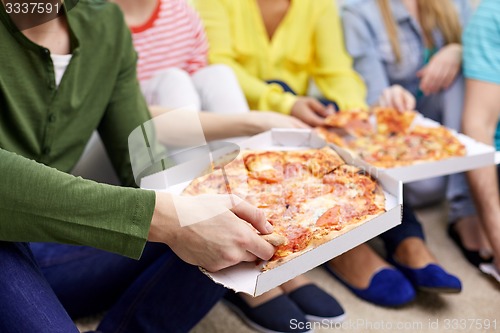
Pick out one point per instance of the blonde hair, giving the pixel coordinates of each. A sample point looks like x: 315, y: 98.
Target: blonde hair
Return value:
x: 440, y: 14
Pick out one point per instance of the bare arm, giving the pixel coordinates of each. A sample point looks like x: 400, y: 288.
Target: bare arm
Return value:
x: 218, y: 126
x: 481, y: 114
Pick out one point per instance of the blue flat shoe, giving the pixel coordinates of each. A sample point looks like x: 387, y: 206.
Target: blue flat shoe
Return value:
x: 317, y: 305
x: 388, y: 287
x: 279, y: 315
x: 431, y: 278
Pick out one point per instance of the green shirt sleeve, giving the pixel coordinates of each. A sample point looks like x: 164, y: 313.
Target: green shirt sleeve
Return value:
x: 42, y: 204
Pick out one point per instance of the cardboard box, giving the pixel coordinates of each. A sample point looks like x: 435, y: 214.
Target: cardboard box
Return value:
x: 248, y: 277
x: 478, y: 155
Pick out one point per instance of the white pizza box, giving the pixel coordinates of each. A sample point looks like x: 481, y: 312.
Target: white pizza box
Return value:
x: 248, y: 277
x: 478, y: 155
x: 497, y: 157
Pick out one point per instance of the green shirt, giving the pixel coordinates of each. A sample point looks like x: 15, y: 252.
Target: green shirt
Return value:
x: 44, y: 130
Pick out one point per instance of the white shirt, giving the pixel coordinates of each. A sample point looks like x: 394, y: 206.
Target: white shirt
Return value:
x: 61, y: 62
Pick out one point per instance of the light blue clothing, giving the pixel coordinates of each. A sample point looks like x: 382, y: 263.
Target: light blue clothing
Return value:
x: 482, y: 47
x: 368, y: 43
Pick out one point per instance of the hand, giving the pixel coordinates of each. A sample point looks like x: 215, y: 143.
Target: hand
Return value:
x: 210, y: 232
x: 441, y: 70
x: 265, y: 120
x: 397, y: 97
x: 311, y: 111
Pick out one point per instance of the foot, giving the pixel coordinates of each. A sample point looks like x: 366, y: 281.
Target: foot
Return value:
x: 413, y: 253
x: 316, y: 303
x: 418, y: 264
x: 272, y: 316
x: 472, y: 236
x: 358, y: 266
x: 370, y: 278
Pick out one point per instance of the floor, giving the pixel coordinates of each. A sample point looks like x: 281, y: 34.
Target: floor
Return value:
x: 474, y: 310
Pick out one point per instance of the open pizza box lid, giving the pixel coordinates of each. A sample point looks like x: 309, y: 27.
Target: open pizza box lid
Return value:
x: 248, y: 277
x: 478, y: 155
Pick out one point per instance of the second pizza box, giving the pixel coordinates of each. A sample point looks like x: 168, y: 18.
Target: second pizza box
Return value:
x: 478, y: 155
x: 248, y: 277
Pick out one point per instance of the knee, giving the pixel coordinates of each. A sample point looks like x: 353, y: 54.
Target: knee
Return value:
x: 219, y: 71
x: 426, y: 192
x: 172, y: 75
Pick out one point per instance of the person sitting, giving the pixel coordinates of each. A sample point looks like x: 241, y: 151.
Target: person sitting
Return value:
x: 254, y: 38
x: 372, y: 35
x: 63, y: 78
x: 481, y: 118
x: 276, y: 47
x: 175, y: 74
x: 417, y: 45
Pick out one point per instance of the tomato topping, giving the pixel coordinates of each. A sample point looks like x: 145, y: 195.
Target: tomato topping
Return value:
x: 330, y: 217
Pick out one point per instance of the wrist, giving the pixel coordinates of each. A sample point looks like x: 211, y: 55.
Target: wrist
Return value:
x: 254, y: 123
x: 164, y: 219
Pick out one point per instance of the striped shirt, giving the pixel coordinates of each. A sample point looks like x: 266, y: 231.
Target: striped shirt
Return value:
x: 172, y: 37
x: 481, y: 42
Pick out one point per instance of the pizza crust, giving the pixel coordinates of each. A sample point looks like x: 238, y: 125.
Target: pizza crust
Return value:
x: 275, y: 239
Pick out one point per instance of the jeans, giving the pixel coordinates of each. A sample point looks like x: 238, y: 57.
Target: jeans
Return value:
x: 444, y: 107
x: 28, y: 303
x: 158, y: 293
x: 409, y: 227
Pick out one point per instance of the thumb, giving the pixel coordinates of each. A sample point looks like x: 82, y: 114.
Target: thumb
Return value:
x: 410, y: 102
x: 330, y: 109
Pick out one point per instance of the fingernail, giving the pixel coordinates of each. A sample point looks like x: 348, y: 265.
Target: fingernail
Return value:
x: 269, y: 227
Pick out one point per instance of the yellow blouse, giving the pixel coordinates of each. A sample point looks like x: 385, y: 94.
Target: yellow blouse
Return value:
x: 307, y: 44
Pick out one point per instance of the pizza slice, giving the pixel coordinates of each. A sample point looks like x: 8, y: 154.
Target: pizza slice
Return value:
x: 355, y: 123
x: 393, y: 122
x: 265, y: 166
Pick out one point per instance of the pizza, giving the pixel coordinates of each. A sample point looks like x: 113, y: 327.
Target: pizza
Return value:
x: 392, y: 122
x: 389, y: 139
x: 310, y: 196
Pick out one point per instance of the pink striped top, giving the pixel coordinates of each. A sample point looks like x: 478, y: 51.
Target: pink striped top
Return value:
x: 172, y: 37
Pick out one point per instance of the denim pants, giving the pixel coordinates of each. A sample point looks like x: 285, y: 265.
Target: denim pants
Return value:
x: 445, y: 107
x: 46, y: 290
x: 409, y: 227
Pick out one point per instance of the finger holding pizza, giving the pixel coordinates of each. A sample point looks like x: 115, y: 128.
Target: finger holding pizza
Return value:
x: 397, y: 97
x: 217, y: 241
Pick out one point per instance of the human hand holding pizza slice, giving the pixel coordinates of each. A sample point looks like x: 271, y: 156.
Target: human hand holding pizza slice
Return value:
x: 206, y: 231
x: 397, y: 97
